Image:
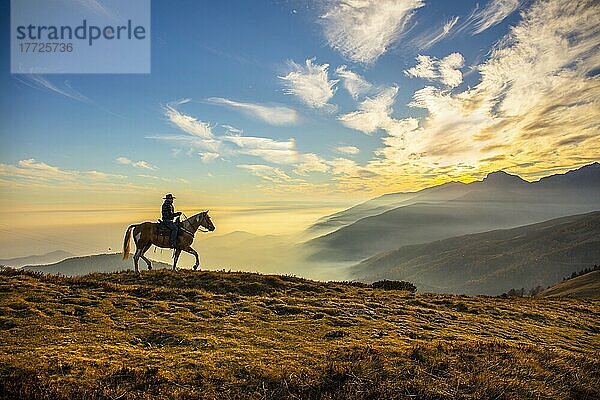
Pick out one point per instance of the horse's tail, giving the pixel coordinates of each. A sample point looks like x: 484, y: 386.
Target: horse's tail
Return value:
x: 126, y: 242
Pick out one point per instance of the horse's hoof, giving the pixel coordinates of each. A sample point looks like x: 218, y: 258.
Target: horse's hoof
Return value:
x: 150, y: 268
x: 195, y: 267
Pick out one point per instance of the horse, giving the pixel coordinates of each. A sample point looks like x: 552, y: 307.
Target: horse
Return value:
x: 146, y: 234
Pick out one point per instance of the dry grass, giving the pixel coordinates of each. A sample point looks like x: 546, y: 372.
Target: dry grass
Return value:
x: 188, y: 335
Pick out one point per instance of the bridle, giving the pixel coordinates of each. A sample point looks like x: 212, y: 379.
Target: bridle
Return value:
x: 201, y: 227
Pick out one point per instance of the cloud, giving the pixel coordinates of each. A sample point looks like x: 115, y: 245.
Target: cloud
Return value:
x: 95, y: 7
x: 427, y: 40
x: 188, y: 123
x: 232, y: 129
x: 39, y: 82
x: 310, y: 162
x: 137, y: 164
x: 208, y: 157
x: 64, y: 89
x: 355, y: 84
x: 31, y: 173
x: 310, y: 83
x: 534, y: 108
x: 348, y: 149
x: 193, y: 142
x: 349, y: 170
x: 266, y: 172
x: 273, y: 115
x: 168, y: 180
x: 494, y: 13
x: 373, y: 113
x: 198, y: 135
x: 363, y: 30
x: 446, y: 70
x: 277, y: 152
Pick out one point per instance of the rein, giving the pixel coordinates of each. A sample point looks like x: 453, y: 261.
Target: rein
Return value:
x: 199, y: 225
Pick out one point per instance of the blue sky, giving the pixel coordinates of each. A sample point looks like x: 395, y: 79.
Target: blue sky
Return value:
x: 252, y: 74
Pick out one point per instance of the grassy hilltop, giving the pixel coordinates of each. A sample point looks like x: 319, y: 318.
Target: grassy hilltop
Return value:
x: 187, y: 335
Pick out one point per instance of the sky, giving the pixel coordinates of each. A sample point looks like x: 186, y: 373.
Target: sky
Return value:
x: 273, y: 113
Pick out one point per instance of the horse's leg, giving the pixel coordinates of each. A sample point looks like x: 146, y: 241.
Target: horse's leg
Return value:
x: 195, y: 253
x: 136, y: 258
x: 176, y: 257
x: 145, y: 249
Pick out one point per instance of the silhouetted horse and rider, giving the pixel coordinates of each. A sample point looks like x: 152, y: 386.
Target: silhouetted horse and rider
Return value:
x: 168, y: 233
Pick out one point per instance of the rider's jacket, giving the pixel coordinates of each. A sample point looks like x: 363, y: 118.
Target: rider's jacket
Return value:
x: 168, y: 211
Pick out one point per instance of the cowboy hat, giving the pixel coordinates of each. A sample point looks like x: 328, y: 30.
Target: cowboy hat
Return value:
x: 169, y: 196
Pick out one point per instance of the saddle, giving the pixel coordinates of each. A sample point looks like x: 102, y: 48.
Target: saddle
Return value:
x: 164, y: 230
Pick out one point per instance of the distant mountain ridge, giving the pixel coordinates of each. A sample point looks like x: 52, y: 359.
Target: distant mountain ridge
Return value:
x: 499, y: 201
x: 94, y: 263
x: 52, y: 257
x: 493, y: 262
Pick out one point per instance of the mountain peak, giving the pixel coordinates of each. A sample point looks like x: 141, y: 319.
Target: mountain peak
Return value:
x: 503, y: 178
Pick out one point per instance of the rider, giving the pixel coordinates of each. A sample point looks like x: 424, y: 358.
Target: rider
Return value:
x: 168, y: 213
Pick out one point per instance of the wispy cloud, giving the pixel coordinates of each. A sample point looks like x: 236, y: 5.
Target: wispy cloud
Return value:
x: 355, y: 84
x: 31, y: 174
x: 426, y: 40
x: 162, y: 179
x: 141, y: 164
x: 278, y: 152
x: 269, y: 173
x: 310, y: 162
x: 188, y: 124
x: 232, y: 129
x: 273, y: 115
x: 348, y: 149
x: 198, y: 135
x: 208, y: 157
x: 64, y: 89
x: 39, y: 82
x: 492, y: 14
x: 310, y: 83
x: 363, y: 30
x: 95, y: 7
x: 447, y: 70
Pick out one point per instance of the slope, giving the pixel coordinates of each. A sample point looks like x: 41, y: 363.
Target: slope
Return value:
x: 95, y: 263
x: 500, y: 201
x: 207, y: 335
x: 584, y: 286
x: 47, y: 258
x: 493, y: 262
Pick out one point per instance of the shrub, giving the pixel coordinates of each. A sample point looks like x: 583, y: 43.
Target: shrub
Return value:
x: 394, y: 285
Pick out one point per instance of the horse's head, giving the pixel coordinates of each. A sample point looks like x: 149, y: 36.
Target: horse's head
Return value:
x: 199, y: 220
x: 206, y: 222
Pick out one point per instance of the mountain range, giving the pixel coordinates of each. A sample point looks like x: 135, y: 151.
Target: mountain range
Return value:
x: 94, y: 263
x: 47, y: 258
x: 493, y: 262
x: 500, y: 201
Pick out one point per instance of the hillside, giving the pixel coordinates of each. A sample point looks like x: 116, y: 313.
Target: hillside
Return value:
x: 584, y: 286
x: 206, y: 335
x: 95, y: 263
x: 493, y: 262
x: 47, y: 258
x: 500, y: 201
x: 381, y: 204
